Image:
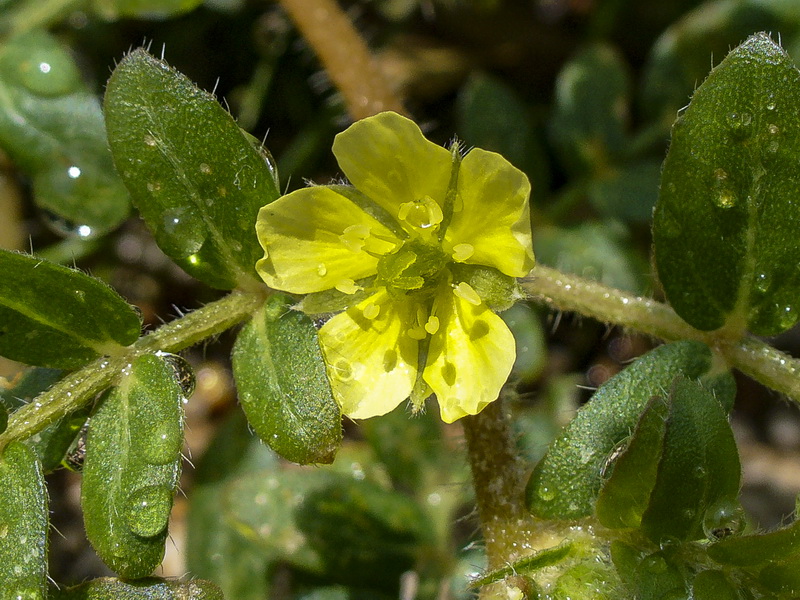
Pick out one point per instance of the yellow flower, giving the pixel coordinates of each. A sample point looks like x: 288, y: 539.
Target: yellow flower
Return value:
x: 401, y: 247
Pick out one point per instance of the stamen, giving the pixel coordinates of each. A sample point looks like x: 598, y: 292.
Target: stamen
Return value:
x: 432, y: 326
x: 464, y: 291
x: 462, y: 252
x: 371, y: 311
x: 348, y: 286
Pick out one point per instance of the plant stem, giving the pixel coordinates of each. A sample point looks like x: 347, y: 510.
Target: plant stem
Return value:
x: 345, y: 57
x: 498, y: 475
x: 81, y: 387
x: 748, y: 354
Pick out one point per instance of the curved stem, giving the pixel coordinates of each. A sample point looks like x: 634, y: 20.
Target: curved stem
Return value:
x: 345, y: 56
x: 81, y: 387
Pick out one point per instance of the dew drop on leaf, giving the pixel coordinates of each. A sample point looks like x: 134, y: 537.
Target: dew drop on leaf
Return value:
x: 740, y: 125
x: 762, y: 282
x: 148, y: 510
x: 184, y: 374
x: 723, y: 519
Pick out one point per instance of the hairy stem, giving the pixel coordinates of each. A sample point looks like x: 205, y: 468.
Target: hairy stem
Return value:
x: 498, y: 474
x: 81, y: 387
x: 345, y: 56
x: 748, y: 354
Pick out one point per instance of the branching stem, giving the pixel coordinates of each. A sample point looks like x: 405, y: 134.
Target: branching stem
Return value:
x: 81, y: 387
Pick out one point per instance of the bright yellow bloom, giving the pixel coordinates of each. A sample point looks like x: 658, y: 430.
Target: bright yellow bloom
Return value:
x: 400, y: 247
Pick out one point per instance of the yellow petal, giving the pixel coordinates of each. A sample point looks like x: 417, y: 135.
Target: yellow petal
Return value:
x: 315, y: 238
x: 492, y: 215
x: 387, y: 158
x: 372, y: 364
x: 469, y: 358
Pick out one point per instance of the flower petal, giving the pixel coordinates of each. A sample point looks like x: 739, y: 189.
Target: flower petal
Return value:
x: 492, y: 223
x: 315, y: 239
x: 371, y: 362
x: 387, y: 158
x: 469, y: 358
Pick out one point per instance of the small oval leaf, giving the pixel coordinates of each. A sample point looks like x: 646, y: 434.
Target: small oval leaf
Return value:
x: 53, y: 316
x: 131, y: 467
x: 282, y: 385
x: 726, y: 222
x: 197, y: 179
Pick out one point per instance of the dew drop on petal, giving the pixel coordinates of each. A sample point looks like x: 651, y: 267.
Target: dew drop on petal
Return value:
x: 322, y: 270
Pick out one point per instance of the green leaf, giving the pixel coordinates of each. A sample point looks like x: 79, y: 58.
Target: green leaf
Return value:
x: 23, y: 524
x: 566, y: 482
x: 52, y: 127
x: 53, y: 316
x: 713, y: 585
x: 215, y: 548
x: 627, y: 193
x: 725, y: 226
x: 590, y: 116
x: 492, y: 116
x: 698, y: 468
x: 595, y: 250
x: 113, y: 10
x: 197, y: 179
x: 282, y: 385
x: 758, y: 548
x: 347, y: 531
x: 108, y: 588
x: 624, y: 497
x: 132, y: 466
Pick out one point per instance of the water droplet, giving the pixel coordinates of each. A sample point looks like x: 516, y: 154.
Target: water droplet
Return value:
x: 724, y: 518
x: 546, y: 494
x: 770, y: 106
x: 67, y: 228
x: 149, y: 140
x: 725, y: 199
x: 787, y: 316
x: 162, y: 445
x: 184, y: 374
x: 236, y: 246
x: 740, y: 125
x: 762, y: 282
x: 148, y: 510
x: 700, y: 471
x: 773, y: 139
x: 342, y: 370
x: 322, y: 270
x: 205, y: 169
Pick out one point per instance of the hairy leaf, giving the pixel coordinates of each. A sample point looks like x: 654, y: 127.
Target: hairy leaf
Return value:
x: 108, y: 588
x: 197, y: 179
x: 132, y: 466
x: 282, y: 385
x: 725, y: 225
x: 565, y: 483
x: 53, y: 316
x: 23, y: 524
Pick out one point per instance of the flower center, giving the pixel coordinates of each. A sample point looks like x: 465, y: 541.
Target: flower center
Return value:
x: 415, y: 266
